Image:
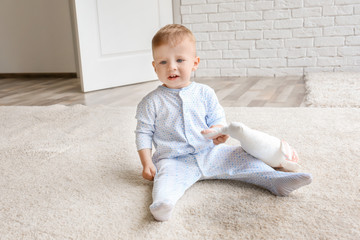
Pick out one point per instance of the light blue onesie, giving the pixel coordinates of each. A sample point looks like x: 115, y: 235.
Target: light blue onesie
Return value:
x: 172, y: 120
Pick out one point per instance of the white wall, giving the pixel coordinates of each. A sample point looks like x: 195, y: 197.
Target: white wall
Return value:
x: 274, y: 37
x: 36, y: 37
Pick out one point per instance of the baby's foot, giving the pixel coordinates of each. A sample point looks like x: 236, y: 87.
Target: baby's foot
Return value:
x: 285, y: 185
x: 162, y: 211
x: 291, y: 161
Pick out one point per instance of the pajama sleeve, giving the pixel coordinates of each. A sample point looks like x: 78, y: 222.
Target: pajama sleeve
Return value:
x: 215, y: 112
x: 145, y: 128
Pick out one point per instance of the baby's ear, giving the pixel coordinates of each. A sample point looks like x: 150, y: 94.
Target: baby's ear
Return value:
x: 196, y: 63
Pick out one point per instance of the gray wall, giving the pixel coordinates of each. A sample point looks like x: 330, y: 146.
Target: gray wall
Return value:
x: 36, y: 37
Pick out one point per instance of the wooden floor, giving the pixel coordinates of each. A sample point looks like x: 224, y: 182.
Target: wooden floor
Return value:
x: 232, y: 92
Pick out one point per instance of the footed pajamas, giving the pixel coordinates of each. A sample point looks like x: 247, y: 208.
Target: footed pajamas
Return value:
x: 172, y: 120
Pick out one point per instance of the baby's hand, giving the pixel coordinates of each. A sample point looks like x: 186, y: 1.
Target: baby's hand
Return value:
x: 217, y: 138
x: 149, y: 172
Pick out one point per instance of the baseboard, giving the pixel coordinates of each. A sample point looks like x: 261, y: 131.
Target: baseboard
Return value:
x: 38, y: 75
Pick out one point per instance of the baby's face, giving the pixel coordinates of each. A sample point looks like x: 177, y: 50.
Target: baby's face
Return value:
x: 174, y: 64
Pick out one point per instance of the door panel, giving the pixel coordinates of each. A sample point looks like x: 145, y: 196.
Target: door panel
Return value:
x: 114, y: 40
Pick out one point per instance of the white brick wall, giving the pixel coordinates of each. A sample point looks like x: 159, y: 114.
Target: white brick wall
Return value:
x: 274, y: 37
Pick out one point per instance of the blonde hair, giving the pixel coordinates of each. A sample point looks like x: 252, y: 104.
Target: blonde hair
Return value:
x: 172, y: 34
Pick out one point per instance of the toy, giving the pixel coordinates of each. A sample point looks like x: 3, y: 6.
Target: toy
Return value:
x: 269, y: 149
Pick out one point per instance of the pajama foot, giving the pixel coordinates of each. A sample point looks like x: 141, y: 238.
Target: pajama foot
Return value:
x: 161, y: 211
x: 285, y: 185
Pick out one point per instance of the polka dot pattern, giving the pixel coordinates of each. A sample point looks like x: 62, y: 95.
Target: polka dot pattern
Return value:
x: 172, y: 120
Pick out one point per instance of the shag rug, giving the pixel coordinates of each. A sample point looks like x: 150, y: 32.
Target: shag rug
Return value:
x: 74, y: 173
x: 335, y: 89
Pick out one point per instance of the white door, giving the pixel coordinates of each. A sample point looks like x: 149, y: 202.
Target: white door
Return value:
x: 114, y: 40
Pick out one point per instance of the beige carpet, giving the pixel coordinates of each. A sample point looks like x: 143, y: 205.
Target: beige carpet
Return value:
x: 73, y: 173
x: 334, y: 89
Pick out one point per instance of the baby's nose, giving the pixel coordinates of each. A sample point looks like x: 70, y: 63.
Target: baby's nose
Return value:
x: 172, y: 65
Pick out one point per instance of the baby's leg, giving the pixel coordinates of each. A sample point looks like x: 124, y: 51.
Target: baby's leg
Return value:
x: 277, y: 182
x: 235, y: 163
x: 173, y: 178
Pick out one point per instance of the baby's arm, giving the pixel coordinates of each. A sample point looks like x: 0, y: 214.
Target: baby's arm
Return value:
x: 149, y: 169
x: 145, y: 128
x: 215, y: 118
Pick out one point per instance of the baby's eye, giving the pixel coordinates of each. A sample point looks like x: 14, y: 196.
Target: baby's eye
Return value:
x: 179, y: 60
x: 163, y: 62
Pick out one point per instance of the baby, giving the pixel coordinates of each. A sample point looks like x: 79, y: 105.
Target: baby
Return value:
x: 173, y: 117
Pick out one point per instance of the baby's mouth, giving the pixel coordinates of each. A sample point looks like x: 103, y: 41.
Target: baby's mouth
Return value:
x: 173, y: 77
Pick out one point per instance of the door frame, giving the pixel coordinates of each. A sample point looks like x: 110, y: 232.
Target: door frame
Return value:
x: 176, y: 11
x: 75, y: 38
